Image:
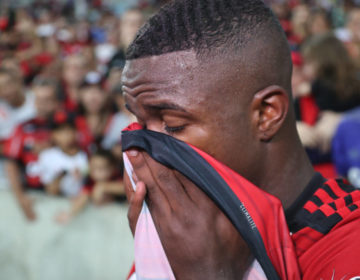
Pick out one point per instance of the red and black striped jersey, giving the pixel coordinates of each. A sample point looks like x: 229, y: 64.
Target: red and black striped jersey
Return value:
x: 24, y: 146
x: 318, y: 239
x: 325, y: 226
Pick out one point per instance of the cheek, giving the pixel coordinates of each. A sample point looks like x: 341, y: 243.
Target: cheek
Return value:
x: 220, y: 143
x: 92, y: 101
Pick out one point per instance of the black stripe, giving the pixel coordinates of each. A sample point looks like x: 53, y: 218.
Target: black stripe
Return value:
x: 180, y: 156
x: 316, y: 220
x: 329, y: 191
x: 348, y: 199
x: 316, y: 200
x: 320, y: 222
x: 333, y: 205
x: 352, y: 207
x: 347, y: 188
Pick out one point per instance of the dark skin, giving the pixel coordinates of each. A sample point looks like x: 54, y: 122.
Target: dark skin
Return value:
x: 241, y: 120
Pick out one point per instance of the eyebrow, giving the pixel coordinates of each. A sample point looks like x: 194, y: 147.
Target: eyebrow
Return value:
x: 160, y: 106
x: 165, y: 106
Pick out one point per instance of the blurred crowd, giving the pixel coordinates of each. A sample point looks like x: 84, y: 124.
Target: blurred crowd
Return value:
x: 61, y: 104
x: 324, y: 38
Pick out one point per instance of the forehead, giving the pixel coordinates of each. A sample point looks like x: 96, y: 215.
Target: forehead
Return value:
x: 167, y: 70
x: 44, y: 91
x: 5, y: 76
x: 99, y: 160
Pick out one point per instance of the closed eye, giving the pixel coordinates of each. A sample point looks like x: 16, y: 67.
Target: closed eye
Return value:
x: 174, y: 129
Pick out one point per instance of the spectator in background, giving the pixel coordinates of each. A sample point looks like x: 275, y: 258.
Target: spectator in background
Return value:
x: 353, y: 27
x: 102, y: 185
x: 11, y: 63
x: 299, y: 24
x: 16, y: 104
x: 121, y: 119
x: 28, y: 140
x: 130, y: 23
x: 319, y: 22
x: 74, y: 70
x: 333, y: 74
x: 99, y: 122
x: 62, y: 167
x: 95, y: 113
x: 335, y: 86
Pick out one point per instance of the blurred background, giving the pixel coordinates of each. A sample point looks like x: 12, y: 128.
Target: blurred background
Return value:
x: 63, y: 209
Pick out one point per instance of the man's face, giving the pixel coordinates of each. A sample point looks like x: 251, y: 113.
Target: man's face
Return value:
x: 45, y: 101
x: 65, y: 137
x: 205, y: 105
x: 130, y: 24
x: 354, y: 25
x: 74, y: 70
x: 10, y: 88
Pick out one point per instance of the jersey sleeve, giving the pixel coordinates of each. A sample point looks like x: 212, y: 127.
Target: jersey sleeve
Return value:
x: 337, y: 255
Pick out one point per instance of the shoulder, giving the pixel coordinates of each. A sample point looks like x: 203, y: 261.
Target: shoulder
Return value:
x: 52, y: 153
x: 326, y: 238
x: 31, y: 125
x: 81, y: 156
x: 331, y: 203
x: 337, y: 254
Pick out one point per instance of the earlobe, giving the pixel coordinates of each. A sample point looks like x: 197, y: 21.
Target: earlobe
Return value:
x: 269, y: 107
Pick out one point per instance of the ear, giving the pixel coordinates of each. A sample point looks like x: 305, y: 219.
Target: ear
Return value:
x: 269, y: 109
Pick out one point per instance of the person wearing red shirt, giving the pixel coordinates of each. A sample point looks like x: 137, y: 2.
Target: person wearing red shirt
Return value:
x: 28, y: 140
x: 74, y: 70
x: 216, y: 75
x: 95, y: 113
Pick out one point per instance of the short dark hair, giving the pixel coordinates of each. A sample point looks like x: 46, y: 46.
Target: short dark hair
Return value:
x: 62, y: 119
x: 202, y: 26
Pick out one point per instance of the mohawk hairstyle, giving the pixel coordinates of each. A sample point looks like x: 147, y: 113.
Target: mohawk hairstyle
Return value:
x: 203, y: 26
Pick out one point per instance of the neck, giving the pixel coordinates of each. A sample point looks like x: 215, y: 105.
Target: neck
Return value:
x: 93, y: 115
x: 70, y: 150
x: 18, y: 102
x: 287, y: 176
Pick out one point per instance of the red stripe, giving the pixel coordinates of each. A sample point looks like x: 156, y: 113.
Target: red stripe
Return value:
x: 305, y: 238
x: 327, y: 209
x: 335, y: 188
x: 324, y: 196
x: 132, y: 271
x: 343, y: 212
x: 355, y: 195
x: 133, y: 126
x: 311, y: 206
x: 340, y: 203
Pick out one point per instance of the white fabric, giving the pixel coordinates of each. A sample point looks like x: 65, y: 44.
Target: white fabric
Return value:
x: 343, y: 34
x: 151, y: 262
x: 11, y: 117
x: 53, y: 161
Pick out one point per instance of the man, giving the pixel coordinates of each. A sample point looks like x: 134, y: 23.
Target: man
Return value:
x: 16, y: 106
x: 217, y: 75
x: 74, y: 71
x: 28, y: 140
